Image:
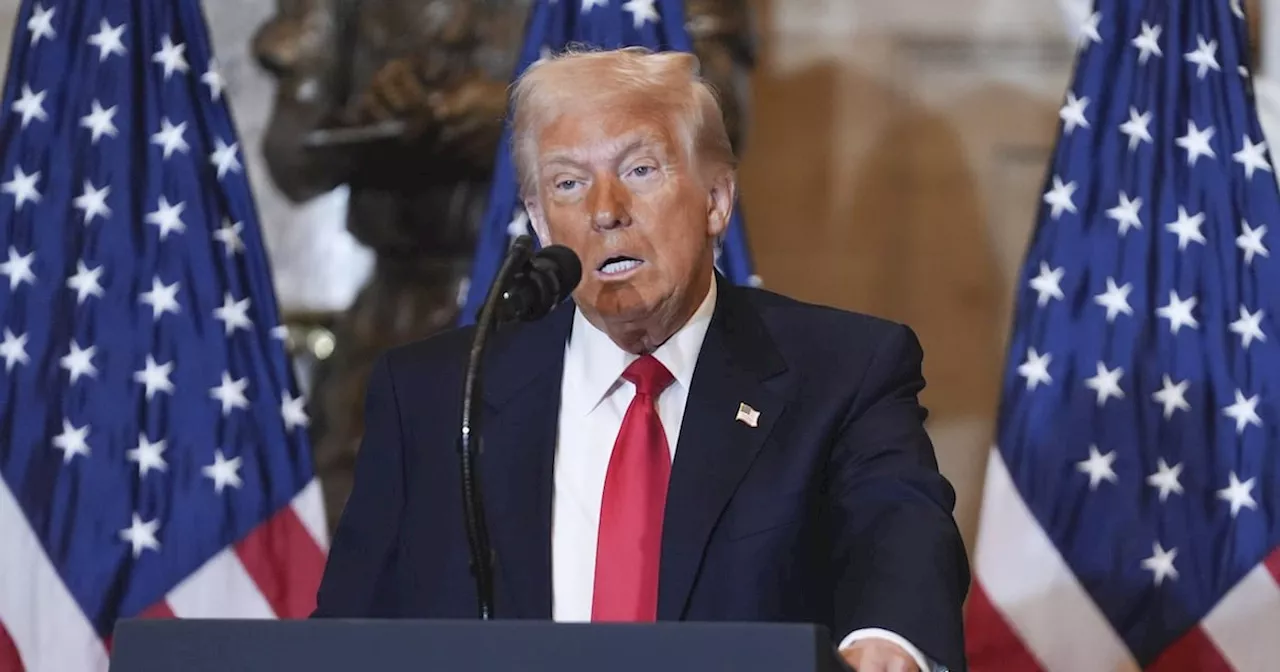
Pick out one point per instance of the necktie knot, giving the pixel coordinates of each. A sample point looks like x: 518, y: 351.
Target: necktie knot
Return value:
x: 648, y: 375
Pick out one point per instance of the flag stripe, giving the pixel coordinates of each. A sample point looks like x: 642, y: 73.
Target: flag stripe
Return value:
x: 1022, y: 571
x: 44, y: 622
x: 10, y: 661
x: 308, y: 504
x: 1243, y: 624
x: 285, y: 563
x: 1192, y: 652
x: 221, y: 588
x: 991, y: 645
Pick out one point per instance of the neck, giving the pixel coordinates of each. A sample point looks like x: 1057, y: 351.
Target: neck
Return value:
x: 641, y: 337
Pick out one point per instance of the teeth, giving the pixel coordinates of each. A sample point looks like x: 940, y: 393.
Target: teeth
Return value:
x: 619, y: 266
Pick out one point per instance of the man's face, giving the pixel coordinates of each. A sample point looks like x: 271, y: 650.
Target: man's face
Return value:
x: 616, y: 186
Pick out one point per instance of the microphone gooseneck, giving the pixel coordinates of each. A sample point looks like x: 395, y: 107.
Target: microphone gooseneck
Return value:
x: 526, y: 287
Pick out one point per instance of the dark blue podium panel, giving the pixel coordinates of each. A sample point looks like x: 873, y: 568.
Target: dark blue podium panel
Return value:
x: 322, y: 645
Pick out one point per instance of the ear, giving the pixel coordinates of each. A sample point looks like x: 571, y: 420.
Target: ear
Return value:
x: 538, y: 220
x: 720, y: 199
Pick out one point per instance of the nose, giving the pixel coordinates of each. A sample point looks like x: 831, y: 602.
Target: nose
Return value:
x: 610, y: 205
x: 278, y: 45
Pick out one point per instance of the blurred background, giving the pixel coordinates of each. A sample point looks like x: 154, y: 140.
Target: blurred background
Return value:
x: 893, y: 157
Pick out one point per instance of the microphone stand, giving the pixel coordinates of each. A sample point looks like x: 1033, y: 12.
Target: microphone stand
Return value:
x: 470, y: 441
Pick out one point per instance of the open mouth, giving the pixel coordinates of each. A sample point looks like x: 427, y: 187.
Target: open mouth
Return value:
x: 618, y: 265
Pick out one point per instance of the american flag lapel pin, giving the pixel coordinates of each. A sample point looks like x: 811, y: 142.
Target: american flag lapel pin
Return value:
x: 747, y: 415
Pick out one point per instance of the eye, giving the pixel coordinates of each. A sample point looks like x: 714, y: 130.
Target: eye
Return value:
x: 565, y: 185
x: 643, y: 171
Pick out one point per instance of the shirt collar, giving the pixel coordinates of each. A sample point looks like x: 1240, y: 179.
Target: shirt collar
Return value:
x: 595, y: 363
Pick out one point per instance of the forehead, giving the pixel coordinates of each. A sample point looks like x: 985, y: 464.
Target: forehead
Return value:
x: 586, y: 130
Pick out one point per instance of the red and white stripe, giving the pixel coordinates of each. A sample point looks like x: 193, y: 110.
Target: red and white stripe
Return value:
x: 1028, y: 612
x: 271, y: 573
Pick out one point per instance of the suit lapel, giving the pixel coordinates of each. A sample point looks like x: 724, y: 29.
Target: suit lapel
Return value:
x: 522, y: 397
x: 738, y: 364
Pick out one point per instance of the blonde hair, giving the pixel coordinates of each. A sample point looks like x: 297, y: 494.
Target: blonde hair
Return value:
x: 594, y: 77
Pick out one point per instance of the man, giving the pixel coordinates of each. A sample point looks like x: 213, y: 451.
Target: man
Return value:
x: 667, y: 446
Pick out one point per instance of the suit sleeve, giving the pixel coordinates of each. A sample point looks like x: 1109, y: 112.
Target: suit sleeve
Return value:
x: 899, y: 560
x: 362, y: 553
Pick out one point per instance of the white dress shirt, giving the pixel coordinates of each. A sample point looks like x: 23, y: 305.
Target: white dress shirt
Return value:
x: 593, y: 401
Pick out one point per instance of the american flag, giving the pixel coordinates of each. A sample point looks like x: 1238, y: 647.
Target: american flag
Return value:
x: 153, y: 445
x: 554, y: 25
x: 1130, y: 512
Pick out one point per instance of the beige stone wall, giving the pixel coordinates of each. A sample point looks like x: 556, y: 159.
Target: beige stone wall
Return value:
x: 894, y: 165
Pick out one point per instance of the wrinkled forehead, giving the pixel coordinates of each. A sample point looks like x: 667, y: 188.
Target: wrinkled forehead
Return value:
x: 602, y: 130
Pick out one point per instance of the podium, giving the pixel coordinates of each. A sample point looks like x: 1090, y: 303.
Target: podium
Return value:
x: 329, y: 645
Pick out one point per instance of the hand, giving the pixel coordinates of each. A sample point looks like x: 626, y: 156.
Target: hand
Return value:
x: 397, y: 91
x: 878, y: 655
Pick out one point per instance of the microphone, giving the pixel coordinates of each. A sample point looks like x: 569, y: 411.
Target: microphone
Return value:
x: 546, y: 280
x: 526, y: 287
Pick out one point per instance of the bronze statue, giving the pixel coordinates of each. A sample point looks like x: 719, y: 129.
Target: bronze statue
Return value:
x: 438, y: 70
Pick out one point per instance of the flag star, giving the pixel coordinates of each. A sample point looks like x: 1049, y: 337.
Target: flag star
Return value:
x: 1166, y: 479
x: 1115, y: 299
x: 1047, y: 284
x: 107, y: 40
x: 1138, y: 128
x: 1172, y: 396
x: 224, y: 472
x: 280, y: 332
x: 1243, y: 411
x: 72, y: 441
x: 1204, y: 57
x: 1148, y: 42
x: 22, y: 187
x: 41, y: 23
x: 234, y: 314
x: 544, y: 52
x: 1235, y: 9
x: 214, y: 80
x: 1089, y: 30
x: 79, y: 362
x: 30, y: 105
x: 92, y: 202
x: 588, y: 4
x: 167, y: 217
x: 13, y: 350
x: 294, y: 412
x: 100, y: 121
x: 1036, y: 368
x: 1072, y: 113
x: 1250, y: 242
x: 1187, y: 228
x: 230, y: 393
x: 1249, y: 326
x: 1251, y: 157
x: 170, y: 137
x: 224, y: 157
x: 141, y: 536
x: 519, y: 224
x: 162, y: 298
x: 1178, y: 312
x: 1126, y: 213
x: 1106, y: 382
x: 1160, y: 564
x: 155, y: 377
x: 170, y: 56
x: 229, y: 236
x: 18, y: 268
x: 148, y: 455
x: 1059, y: 198
x: 1196, y: 142
x: 85, y: 282
x: 1239, y: 495
x: 1098, y: 467
x: 642, y: 12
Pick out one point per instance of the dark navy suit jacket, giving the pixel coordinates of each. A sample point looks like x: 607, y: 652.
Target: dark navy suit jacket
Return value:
x: 831, y: 510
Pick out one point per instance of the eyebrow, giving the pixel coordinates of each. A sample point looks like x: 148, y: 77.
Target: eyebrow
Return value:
x: 572, y: 158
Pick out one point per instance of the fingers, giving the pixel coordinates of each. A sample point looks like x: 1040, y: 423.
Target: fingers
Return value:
x: 395, y: 93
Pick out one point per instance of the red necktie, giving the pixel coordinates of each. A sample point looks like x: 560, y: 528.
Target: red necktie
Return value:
x: 629, y: 540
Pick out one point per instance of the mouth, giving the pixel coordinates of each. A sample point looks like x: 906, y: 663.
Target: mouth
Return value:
x: 618, y: 266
